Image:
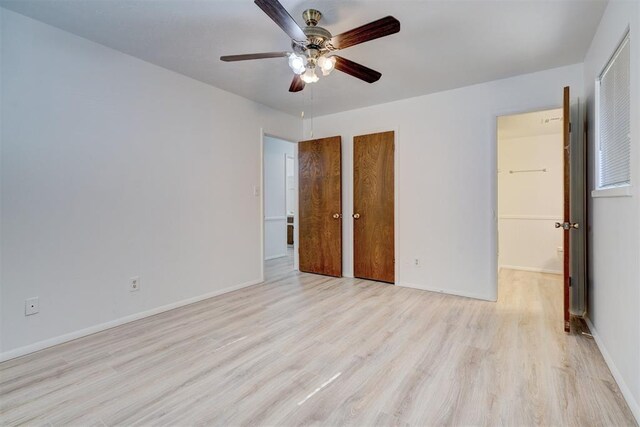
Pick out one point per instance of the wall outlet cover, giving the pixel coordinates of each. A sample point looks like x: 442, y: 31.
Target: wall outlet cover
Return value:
x: 134, y: 284
x: 31, y: 306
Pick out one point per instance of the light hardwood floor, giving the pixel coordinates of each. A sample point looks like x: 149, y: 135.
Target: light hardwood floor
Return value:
x: 279, y: 267
x: 305, y: 349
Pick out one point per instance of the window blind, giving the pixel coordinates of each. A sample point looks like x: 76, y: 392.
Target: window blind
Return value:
x: 614, y: 120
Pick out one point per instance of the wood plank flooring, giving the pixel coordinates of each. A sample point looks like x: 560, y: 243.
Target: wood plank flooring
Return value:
x: 279, y: 267
x: 303, y: 349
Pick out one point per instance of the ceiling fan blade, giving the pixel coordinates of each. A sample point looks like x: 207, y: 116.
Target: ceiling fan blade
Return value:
x: 280, y: 16
x: 248, y: 56
x: 371, y: 31
x: 297, y: 84
x: 356, y: 70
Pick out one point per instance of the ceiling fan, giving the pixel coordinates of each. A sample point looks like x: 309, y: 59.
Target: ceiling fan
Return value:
x: 313, y: 46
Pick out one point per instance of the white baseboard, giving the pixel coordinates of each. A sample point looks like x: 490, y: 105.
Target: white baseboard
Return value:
x: 448, y: 291
x: 50, y: 342
x: 532, y: 269
x: 275, y: 256
x: 624, y: 389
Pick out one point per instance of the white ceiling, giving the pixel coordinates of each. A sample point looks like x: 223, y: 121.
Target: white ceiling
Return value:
x: 547, y: 122
x: 441, y: 45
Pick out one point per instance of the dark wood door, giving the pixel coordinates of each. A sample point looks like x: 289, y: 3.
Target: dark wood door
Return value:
x: 373, y: 207
x: 320, y: 206
x: 567, y: 225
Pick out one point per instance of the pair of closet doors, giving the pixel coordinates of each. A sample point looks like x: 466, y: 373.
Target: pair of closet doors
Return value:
x: 320, y: 206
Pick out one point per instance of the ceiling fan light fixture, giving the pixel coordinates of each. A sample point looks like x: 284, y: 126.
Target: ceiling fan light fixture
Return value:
x: 297, y: 63
x: 326, y: 64
x: 309, y: 76
x: 313, y: 46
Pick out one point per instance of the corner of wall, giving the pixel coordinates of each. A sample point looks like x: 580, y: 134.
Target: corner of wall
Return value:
x: 634, y: 406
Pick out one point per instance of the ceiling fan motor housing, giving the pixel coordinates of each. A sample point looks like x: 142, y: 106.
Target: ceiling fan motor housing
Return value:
x: 317, y: 37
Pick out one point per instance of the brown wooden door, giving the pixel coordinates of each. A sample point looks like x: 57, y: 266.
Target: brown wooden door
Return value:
x: 320, y: 206
x: 373, y: 207
x: 567, y: 225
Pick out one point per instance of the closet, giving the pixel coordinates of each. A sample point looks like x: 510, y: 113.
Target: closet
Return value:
x: 373, y: 207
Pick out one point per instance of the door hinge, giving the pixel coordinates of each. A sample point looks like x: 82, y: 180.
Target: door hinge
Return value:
x: 569, y: 127
x: 570, y: 281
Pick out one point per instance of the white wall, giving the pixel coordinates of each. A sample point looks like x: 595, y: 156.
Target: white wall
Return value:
x: 292, y: 192
x: 111, y: 168
x: 446, y: 149
x: 530, y: 203
x: 275, y: 196
x: 614, y: 275
x: 1, y: 131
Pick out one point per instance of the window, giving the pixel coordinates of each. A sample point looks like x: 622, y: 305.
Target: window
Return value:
x: 613, y: 132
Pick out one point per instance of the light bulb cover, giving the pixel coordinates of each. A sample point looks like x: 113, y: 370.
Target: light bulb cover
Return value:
x: 309, y: 76
x: 326, y: 64
x: 297, y: 63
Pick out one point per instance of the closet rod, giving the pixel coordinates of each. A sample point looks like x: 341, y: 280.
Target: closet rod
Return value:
x: 529, y: 170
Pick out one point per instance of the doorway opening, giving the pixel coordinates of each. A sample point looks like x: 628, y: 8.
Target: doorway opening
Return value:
x: 530, y: 203
x: 280, y: 206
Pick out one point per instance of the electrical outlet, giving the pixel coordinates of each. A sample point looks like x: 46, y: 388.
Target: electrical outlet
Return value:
x: 134, y: 284
x: 31, y: 306
x: 416, y: 262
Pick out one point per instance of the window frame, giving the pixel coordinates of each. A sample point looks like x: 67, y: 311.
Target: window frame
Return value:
x: 615, y: 190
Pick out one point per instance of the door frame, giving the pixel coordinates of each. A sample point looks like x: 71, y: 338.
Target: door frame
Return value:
x: 494, y: 179
x: 286, y: 192
x: 264, y: 133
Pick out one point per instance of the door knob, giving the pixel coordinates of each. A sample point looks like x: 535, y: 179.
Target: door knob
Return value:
x: 336, y: 216
x: 567, y: 225
x: 356, y: 216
